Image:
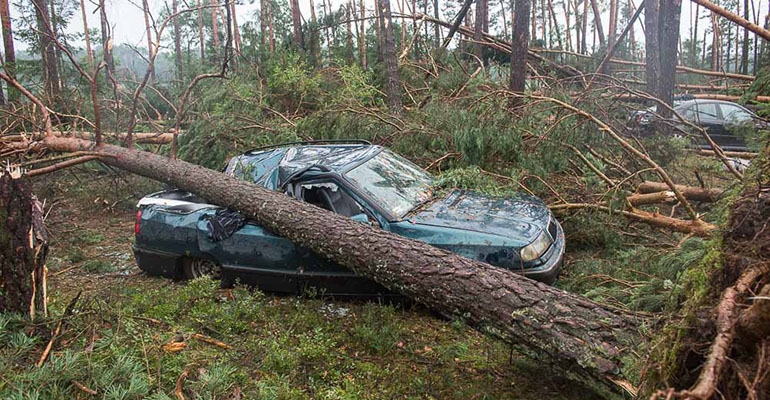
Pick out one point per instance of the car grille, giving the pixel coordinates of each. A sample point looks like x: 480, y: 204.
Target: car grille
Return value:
x: 552, y: 230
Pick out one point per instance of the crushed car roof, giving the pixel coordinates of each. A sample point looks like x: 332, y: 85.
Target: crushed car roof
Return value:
x: 271, y: 168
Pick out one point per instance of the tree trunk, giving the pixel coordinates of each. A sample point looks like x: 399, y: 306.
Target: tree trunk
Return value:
x: 613, y: 23
x: 202, y: 37
x: 458, y: 20
x: 482, y: 9
x: 670, y: 11
x: 47, y: 50
x: 296, y: 22
x: 559, y: 329
x: 652, y: 44
x: 54, y: 37
x: 519, y: 49
x: 745, y: 51
x: 694, y: 38
x: 150, y: 50
x: 177, y: 40
x: 214, y: 27
x: 378, y: 30
x: 716, y: 44
x: 598, y: 22
x: 568, y: 28
x: 362, y: 38
x: 10, y: 52
x: 2, y: 94
x: 349, y: 48
x: 23, y: 248
x: 555, y: 26
x: 393, y: 81
x: 236, y: 29
x: 543, y: 23
x: 109, y: 61
x: 436, y: 28
x: 584, y: 29
x: 270, y: 22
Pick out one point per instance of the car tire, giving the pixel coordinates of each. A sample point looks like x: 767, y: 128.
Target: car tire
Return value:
x: 196, y: 267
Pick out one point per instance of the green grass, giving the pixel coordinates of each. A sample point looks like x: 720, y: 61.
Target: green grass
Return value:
x: 282, y: 348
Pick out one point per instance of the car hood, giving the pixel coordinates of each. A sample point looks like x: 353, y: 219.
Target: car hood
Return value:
x: 520, y: 217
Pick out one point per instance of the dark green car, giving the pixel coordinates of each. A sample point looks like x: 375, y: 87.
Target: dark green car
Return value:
x: 359, y: 180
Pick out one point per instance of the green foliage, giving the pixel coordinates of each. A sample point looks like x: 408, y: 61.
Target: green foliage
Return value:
x: 474, y: 179
x: 648, y: 279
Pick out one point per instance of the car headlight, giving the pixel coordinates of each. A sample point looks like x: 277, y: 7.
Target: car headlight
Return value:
x: 534, y: 250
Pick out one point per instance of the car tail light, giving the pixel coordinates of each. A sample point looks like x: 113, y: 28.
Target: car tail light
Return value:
x: 138, y: 222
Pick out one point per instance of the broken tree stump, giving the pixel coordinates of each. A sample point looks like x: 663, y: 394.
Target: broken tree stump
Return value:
x: 23, y: 247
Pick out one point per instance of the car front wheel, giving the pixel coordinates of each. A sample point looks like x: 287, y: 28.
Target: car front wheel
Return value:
x: 197, y: 267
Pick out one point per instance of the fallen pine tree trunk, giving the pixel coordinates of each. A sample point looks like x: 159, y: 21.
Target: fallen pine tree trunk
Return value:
x: 735, y: 154
x: 689, y: 192
x: 588, y: 342
x: 138, y: 137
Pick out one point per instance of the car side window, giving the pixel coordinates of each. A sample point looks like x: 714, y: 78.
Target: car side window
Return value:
x: 689, y: 113
x: 735, y: 114
x: 330, y: 196
x: 707, y: 111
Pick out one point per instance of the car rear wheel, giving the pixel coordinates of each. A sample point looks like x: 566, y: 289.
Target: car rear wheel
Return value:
x: 197, y: 267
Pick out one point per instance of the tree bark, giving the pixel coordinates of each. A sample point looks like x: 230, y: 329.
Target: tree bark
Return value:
x: 23, y: 248
x: 236, y: 29
x: 271, y: 22
x: 482, y: 9
x: 362, y: 38
x: 652, y: 44
x: 436, y: 28
x: 568, y: 28
x: 560, y: 329
x: 598, y: 22
x: 148, y: 27
x: 393, y: 81
x: 10, y: 52
x: 214, y: 27
x: 584, y: 29
x: 263, y: 22
x: 109, y: 61
x: 349, y: 48
x: 296, y: 21
x: 689, y: 192
x: 670, y: 11
x: 202, y: 37
x: 694, y: 37
x: 613, y: 23
x: 47, y: 50
x: 519, y: 49
x: 177, y: 40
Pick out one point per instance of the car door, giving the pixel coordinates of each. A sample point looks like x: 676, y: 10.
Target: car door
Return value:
x: 328, y: 192
x: 706, y: 115
x: 736, y: 120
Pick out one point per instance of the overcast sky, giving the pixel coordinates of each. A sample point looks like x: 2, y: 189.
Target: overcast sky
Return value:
x: 128, y: 21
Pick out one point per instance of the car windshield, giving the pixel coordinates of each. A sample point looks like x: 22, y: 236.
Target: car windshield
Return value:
x: 397, y: 184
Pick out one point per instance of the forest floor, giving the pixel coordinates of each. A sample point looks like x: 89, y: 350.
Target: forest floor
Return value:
x: 132, y: 336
